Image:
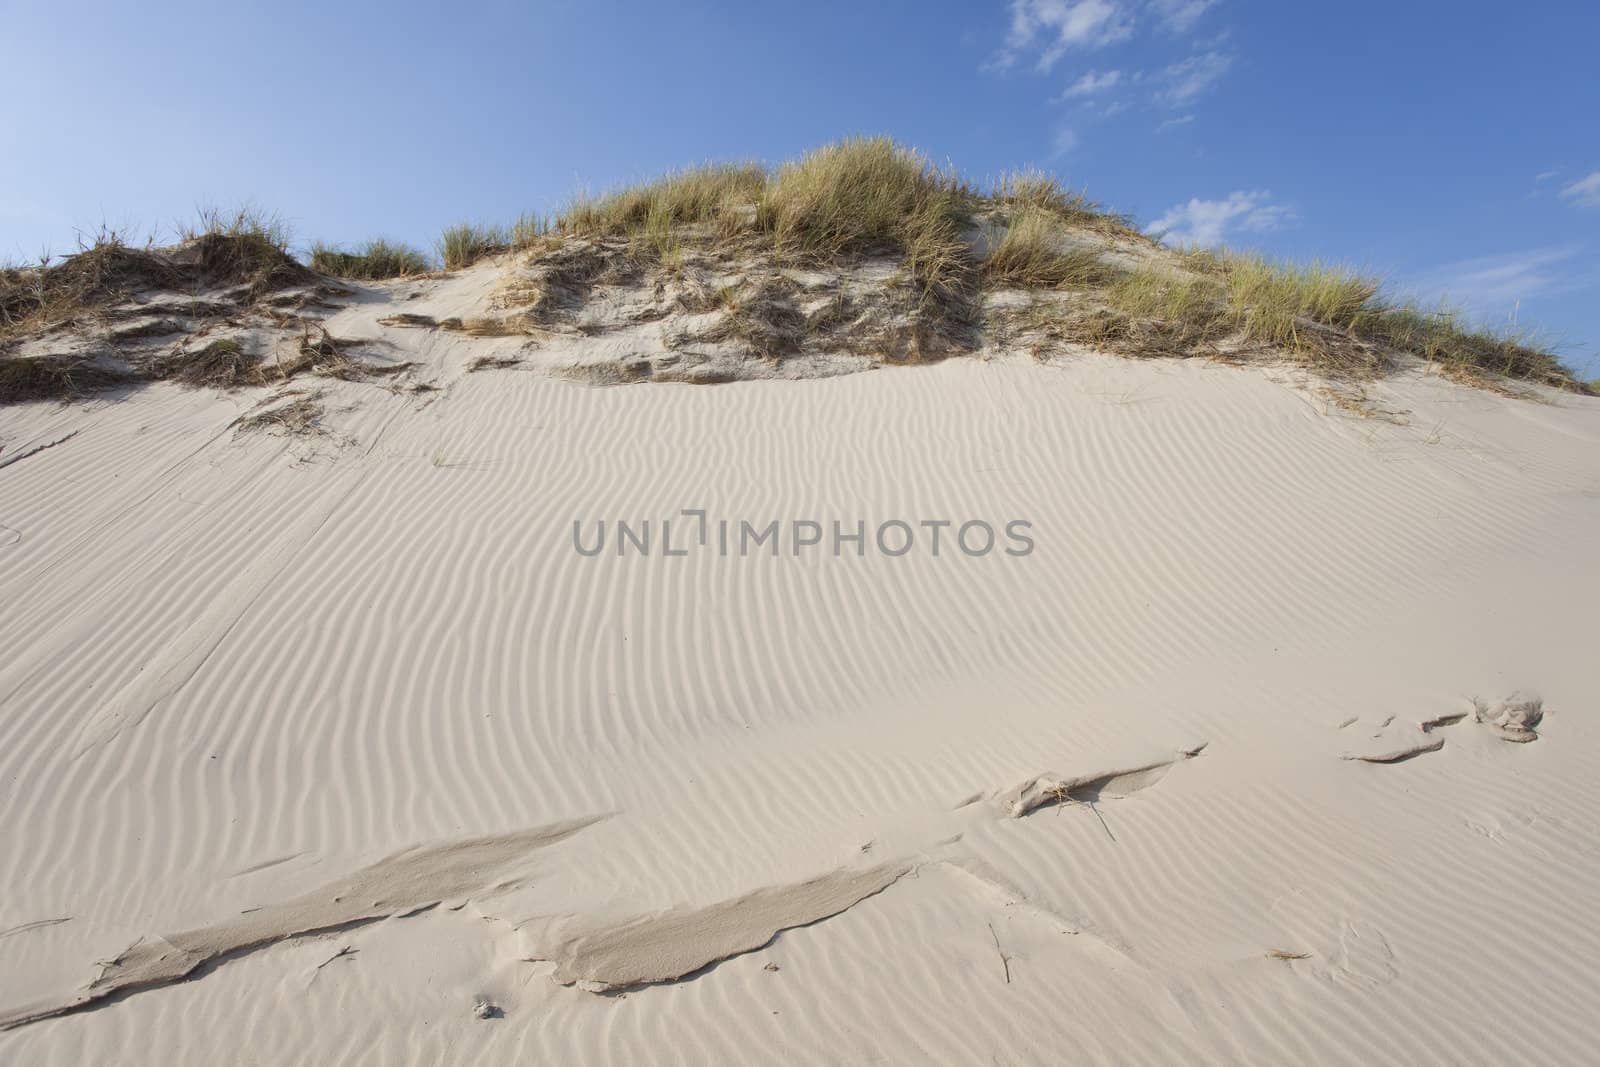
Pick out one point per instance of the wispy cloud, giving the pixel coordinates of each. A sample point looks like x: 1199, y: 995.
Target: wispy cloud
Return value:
x: 1064, y: 141
x: 1042, y: 32
x: 1495, y: 284
x: 1091, y: 84
x: 1192, y: 77
x: 1055, y: 27
x: 1585, y: 191
x: 1172, y: 124
x: 1052, y: 28
x: 1209, y: 222
x: 1179, y: 16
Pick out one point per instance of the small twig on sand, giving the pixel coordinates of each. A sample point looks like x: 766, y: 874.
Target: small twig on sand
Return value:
x: 347, y: 950
x: 1005, y: 961
x: 1063, y: 797
x: 1102, y: 819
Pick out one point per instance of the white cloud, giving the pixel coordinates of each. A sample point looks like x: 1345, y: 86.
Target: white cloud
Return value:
x: 1544, y: 176
x: 1065, y: 141
x: 1495, y: 284
x: 1208, y: 222
x: 1057, y: 26
x: 1585, y: 191
x: 1192, y: 77
x: 1091, y: 83
x: 1172, y: 124
x: 1179, y: 16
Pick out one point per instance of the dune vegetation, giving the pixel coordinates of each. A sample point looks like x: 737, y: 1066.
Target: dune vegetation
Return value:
x: 726, y: 233
x: 377, y: 259
x: 871, y: 196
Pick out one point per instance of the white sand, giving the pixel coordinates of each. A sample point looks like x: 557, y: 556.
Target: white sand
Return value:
x: 252, y: 672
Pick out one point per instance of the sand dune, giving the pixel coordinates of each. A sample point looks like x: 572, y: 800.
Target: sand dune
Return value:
x: 284, y: 692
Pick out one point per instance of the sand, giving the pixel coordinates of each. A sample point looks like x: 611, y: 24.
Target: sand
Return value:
x: 333, y: 748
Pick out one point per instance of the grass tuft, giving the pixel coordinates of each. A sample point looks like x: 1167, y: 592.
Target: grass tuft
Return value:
x: 246, y: 223
x: 55, y: 377
x: 1030, y: 255
x: 866, y: 194
x: 1041, y: 191
x: 719, y: 194
x: 1271, y: 302
x: 465, y: 243
x: 377, y: 259
x: 1443, y: 338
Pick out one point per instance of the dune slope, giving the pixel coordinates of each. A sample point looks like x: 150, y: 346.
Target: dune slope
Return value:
x: 1198, y: 776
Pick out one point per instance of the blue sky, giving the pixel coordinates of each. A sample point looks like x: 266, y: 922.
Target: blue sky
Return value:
x: 1451, y: 147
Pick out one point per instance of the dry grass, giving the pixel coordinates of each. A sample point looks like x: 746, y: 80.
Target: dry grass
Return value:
x: 239, y: 258
x: 493, y: 363
x: 722, y: 195
x: 870, y: 194
x: 104, y: 269
x: 1041, y: 191
x: 1480, y: 355
x: 247, y: 222
x: 530, y: 230
x: 299, y: 413
x: 465, y: 243
x: 1271, y: 302
x: 1156, y: 312
x: 696, y: 229
x: 55, y: 377
x: 1032, y: 254
x: 221, y: 364
x: 1330, y: 318
x: 376, y: 259
x: 763, y: 316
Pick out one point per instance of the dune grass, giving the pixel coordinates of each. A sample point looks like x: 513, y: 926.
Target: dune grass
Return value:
x: 530, y: 230
x: 859, y: 197
x: 1031, y: 254
x: 1270, y: 301
x: 245, y: 224
x: 1480, y: 354
x: 869, y: 193
x: 378, y: 258
x: 465, y: 243
x: 1041, y: 191
x: 245, y: 251
x: 1332, y: 318
x: 721, y: 194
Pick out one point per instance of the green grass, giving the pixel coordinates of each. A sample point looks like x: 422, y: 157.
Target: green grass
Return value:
x: 1332, y: 318
x: 530, y: 230
x: 1041, y: 191
x: 1271, y: 301
x: 1031, y: 253
x: 376, y: 259
x: 862, y: 196
x: 869, y: 193
x: 720, y: 194
x: 1158, y: 312
x: 1445, y: 338
x: 465, y: 243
